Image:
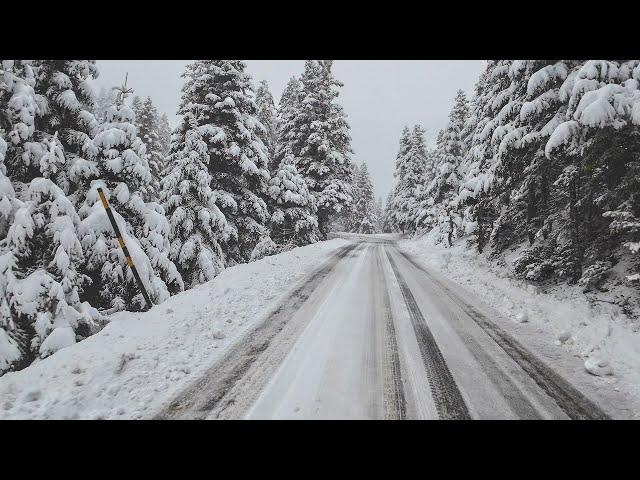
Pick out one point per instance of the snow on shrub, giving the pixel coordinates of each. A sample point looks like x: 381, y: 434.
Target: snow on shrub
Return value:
x: 42, y: 298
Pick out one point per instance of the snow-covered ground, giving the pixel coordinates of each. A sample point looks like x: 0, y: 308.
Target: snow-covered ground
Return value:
x: 556, y: 322
x: 141, y: 360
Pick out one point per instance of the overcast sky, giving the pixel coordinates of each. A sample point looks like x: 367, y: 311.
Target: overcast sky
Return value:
x: 379, y: 96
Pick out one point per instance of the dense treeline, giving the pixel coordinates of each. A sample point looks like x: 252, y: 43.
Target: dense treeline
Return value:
x: 237, y: 179
x: 545, y: 155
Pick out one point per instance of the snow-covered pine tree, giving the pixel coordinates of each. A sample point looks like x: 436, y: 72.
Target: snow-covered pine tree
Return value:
x: 293, y: 220
x: 364, y: 204
x: 148, y: 126
x: 104, y: 100
x: 379, y: 215
x: 336, y: 195
x: 288, y: 110
x: 534, y: 109
x: 525, y: 174
x: 394, y: 218
x: 447, y: 171
x: 164, y: 136
x: 39, y: 261
x: 387, y: 221
x: 451, y: 148
x: 123, y: 174
x: 410, y: 170
x: 599, y: 145
x: 40, y: 309
x: 348, y: 218
x: 66, y: 104
x: 266, y: 114
x: 217, y: 94
x: 318, y: 138
x: 7, y: 192
x: 479, y: 192
x: 429, y: 214
x: 18, y: 108
x: 198, y: 227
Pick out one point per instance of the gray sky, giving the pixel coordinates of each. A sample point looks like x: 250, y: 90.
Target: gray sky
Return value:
x: 379, y: 96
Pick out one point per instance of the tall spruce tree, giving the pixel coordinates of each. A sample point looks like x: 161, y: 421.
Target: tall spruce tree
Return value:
x: 149, y: 130
x: 379, y: 215
x: 447, y: 171
x: 40, y: 286
x: 198, y: 227
x: 105, y: 98
x: 318, y: 138
x: 480, y: 192
x: 289, y: 108
x: 387, y: 221
x: 122, y: 171
x: 365, y: 219
x: 164, y: 136
x: 293, y: 220
x: 266, y: 114
x: 410, y: 170
x: 67, y: 103
x: 217, y: 96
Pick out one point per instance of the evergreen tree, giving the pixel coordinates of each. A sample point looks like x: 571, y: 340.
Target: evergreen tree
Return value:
x: 318, y: 138
x: 40, y: 308
x: 289, y: 108
x: 365, y: 213
x: 123, y: 174
x: 293, y: 221
x: 379, y: 216
x: 19, y: 106
x: 198, y: 227
x: 447, y: 173
x: 148, y: 126
x: 491, y: 107
x: 217, y: 96
x: 104, y: 100
x: 598, y: 146
x: 67, y: 102
x: 451, y: 148
x: 410, y: 172
x: 537, y: 108
x: 266, y: 114
x: 164, y: 136
x: 387, y: 221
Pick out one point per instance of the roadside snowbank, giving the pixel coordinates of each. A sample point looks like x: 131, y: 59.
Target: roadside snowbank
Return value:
x: 141, y: 360
x: 560, y: 317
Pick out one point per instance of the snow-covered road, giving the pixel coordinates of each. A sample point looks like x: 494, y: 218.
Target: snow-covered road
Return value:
x: 338, y: 368
x: 376, y: 335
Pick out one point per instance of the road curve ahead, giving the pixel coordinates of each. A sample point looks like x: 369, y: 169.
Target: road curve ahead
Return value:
x: 376, y: 335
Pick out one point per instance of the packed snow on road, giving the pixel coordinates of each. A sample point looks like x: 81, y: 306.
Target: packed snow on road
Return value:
x: 139, y: 360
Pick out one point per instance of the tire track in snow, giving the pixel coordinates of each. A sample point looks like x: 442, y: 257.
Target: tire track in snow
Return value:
x: 569, y: 399
x: 394, y: 400
x: 209, y: 391
x: 447, y: 397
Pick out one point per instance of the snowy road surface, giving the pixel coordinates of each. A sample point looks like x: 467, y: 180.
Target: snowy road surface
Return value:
x: 375, y: 335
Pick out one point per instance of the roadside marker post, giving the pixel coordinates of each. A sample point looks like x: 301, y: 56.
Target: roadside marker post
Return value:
x: 125, y: 250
